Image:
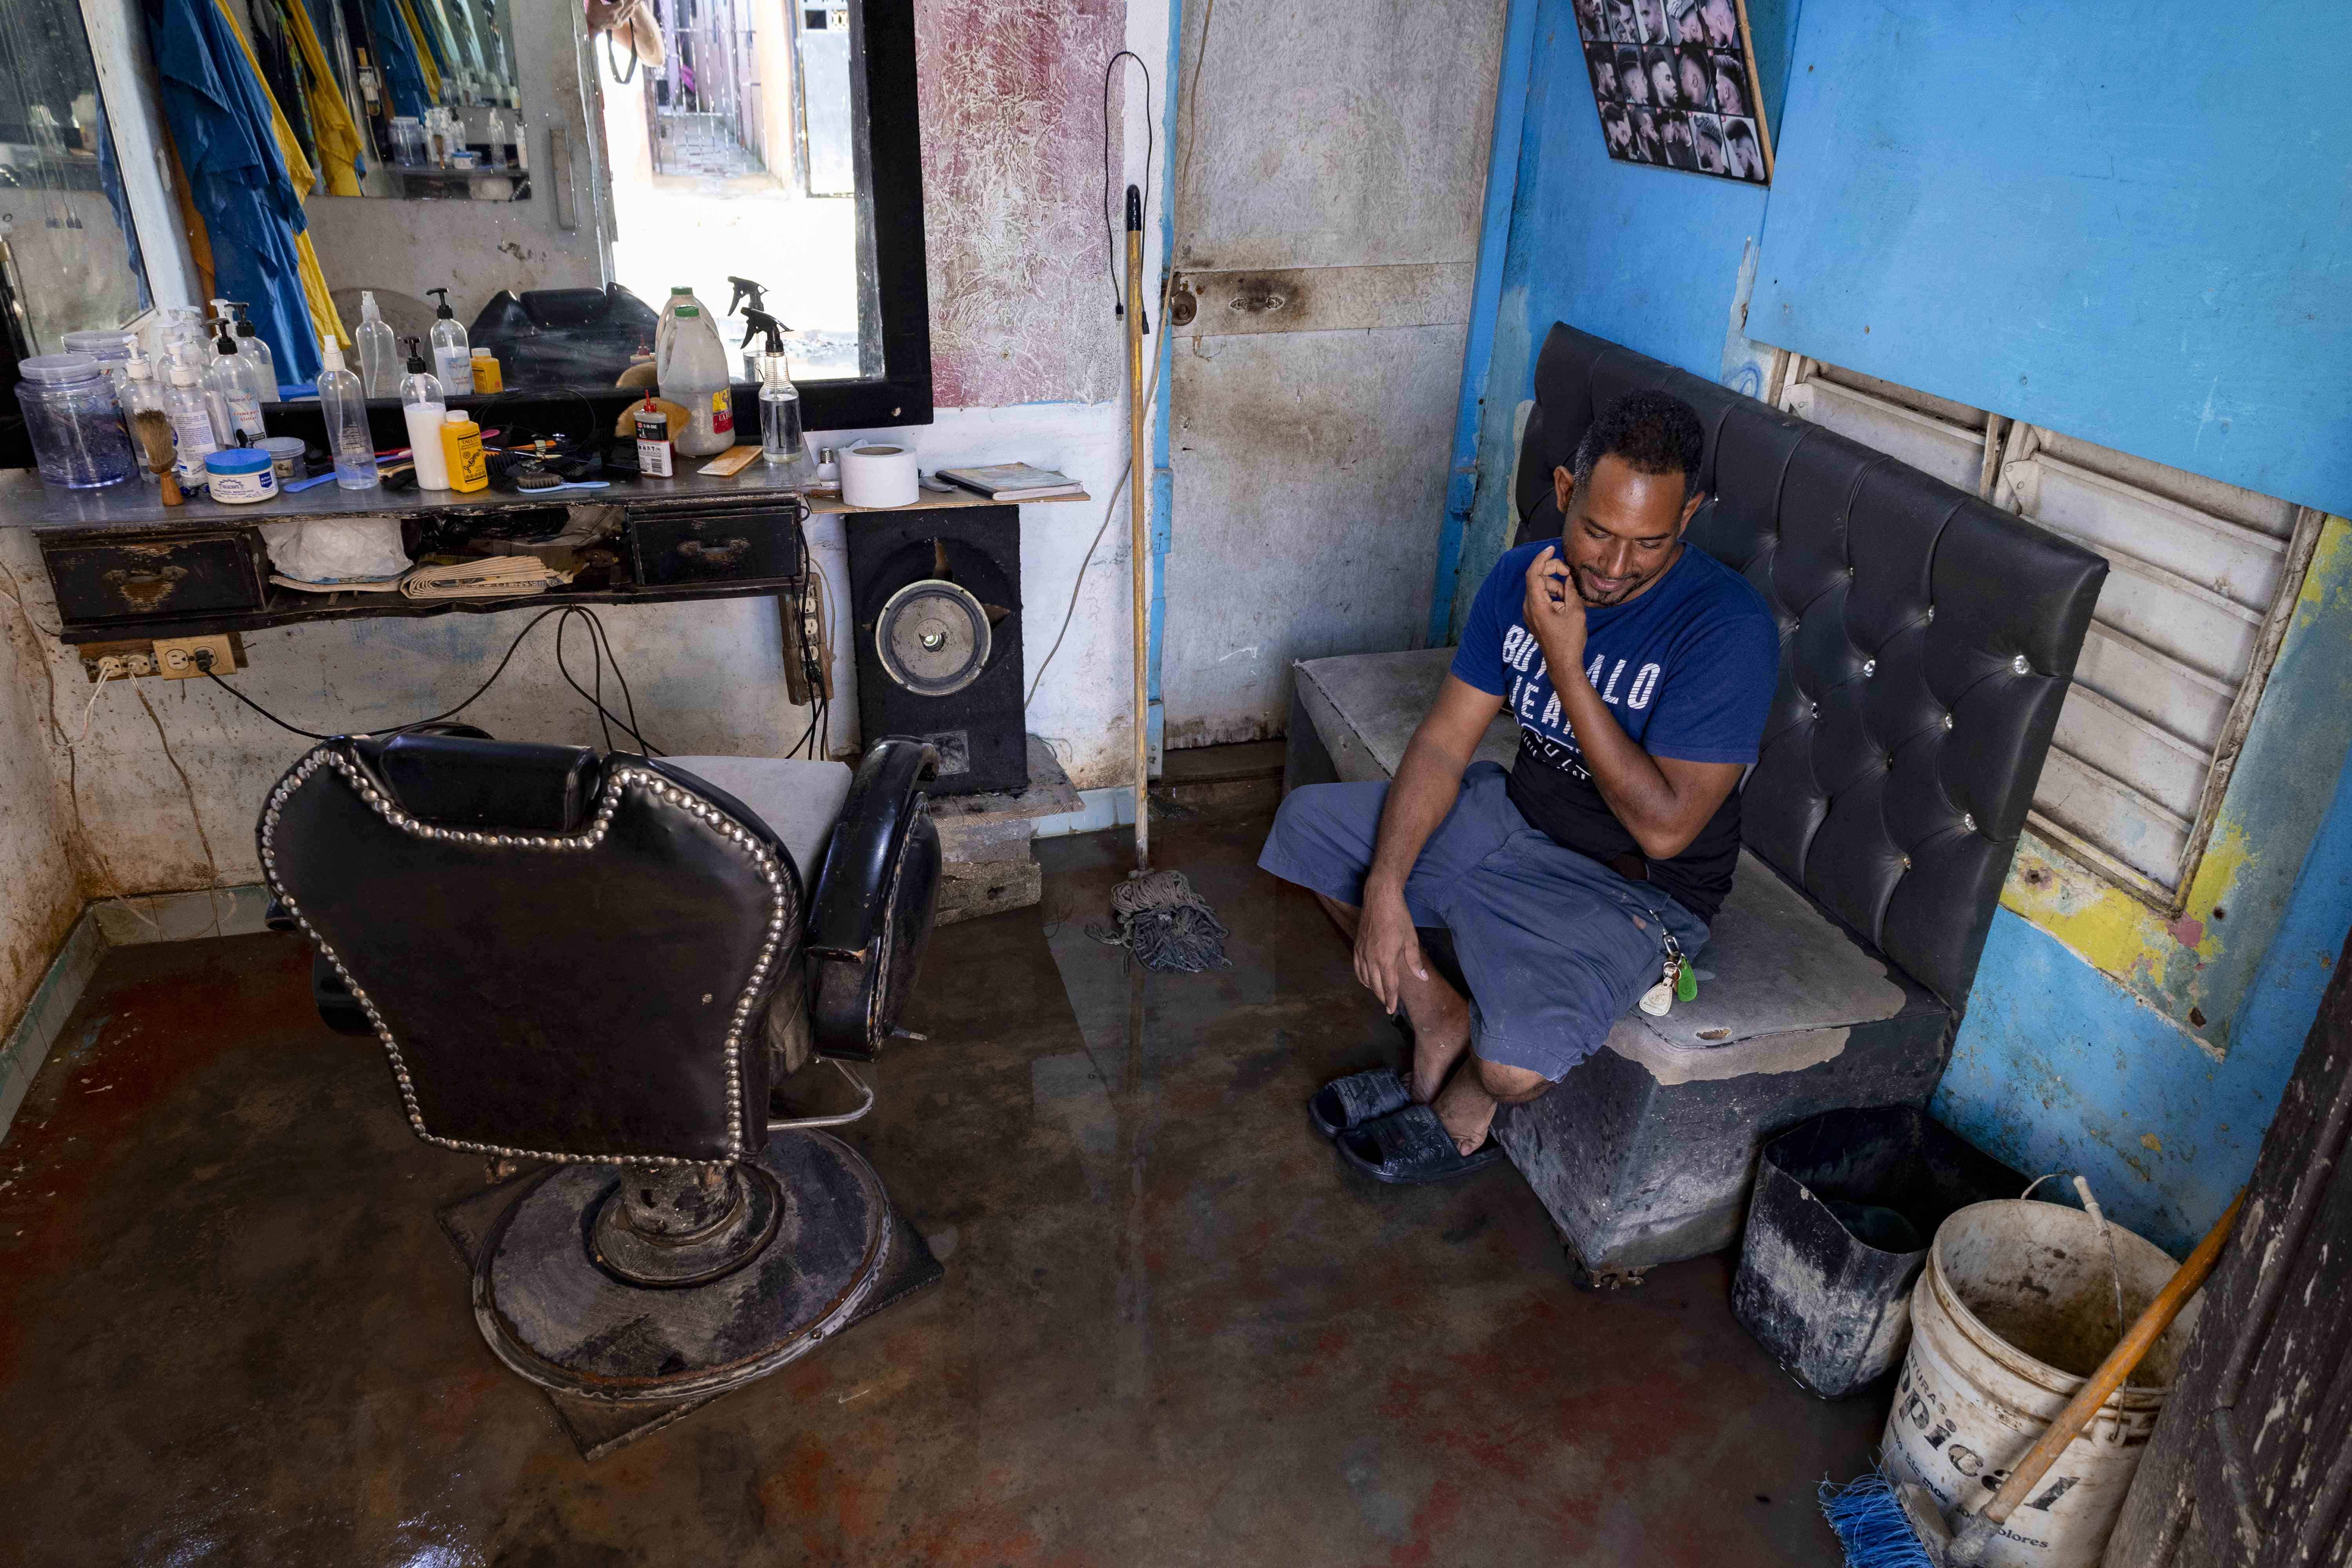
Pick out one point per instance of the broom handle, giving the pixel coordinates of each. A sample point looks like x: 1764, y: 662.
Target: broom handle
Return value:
x: 1139, y: 528
x: 2127, y: 1353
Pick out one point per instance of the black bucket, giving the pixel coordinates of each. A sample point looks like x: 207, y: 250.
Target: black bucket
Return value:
x: 1845, y: 1205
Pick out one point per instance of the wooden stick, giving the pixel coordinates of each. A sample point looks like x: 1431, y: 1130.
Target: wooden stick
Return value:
x: 1138, y: 525
x: 1756, y: 89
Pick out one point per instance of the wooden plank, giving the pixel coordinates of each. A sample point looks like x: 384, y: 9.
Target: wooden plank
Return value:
x: 2111, y: 815
x: 2125, y: 746
x: 2188, y: 702
x: 2178, y: 619
x: 2239, y: 564
x: 1952, y: 453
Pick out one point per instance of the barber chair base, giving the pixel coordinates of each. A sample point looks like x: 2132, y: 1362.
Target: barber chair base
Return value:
x: 814, y: 1236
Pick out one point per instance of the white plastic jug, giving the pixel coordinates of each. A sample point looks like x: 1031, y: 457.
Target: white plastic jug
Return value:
x: 694, y: 376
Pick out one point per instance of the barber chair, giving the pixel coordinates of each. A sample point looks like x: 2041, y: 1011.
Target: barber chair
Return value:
x: 604, y: 962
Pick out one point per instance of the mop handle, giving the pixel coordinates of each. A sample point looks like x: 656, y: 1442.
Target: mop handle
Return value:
x: 2127, y: 1354
x: 1139, y: 528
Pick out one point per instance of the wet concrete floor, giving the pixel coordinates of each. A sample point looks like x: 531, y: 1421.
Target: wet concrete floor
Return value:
x: 1174, y: 1329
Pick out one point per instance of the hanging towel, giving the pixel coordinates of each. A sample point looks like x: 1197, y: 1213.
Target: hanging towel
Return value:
x: 430, y: 59
x: 223, y: 125
x: 398, y: 53
x: 315, y: 293
x: 340, y: 148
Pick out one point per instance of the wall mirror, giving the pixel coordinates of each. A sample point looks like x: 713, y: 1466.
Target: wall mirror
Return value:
x: 69, y: 258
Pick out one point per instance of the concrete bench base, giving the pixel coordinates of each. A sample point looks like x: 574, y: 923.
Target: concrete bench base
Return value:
x: 1644, y: 1153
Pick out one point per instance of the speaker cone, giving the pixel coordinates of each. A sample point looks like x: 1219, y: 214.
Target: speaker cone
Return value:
x: 933, y: 637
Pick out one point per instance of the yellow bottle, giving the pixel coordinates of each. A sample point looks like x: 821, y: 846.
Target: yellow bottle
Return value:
x: 488, y: 376
x: 461, y: 447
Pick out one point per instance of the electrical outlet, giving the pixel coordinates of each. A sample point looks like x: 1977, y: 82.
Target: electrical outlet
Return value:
x: 125, y: 658
x: 176, y: 659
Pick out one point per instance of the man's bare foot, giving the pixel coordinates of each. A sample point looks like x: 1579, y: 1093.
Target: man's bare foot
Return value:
x: 1466, y: 1111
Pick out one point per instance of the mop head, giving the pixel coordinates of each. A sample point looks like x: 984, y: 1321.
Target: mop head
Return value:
x: 1871, y: 1524
x: 1166, y: 925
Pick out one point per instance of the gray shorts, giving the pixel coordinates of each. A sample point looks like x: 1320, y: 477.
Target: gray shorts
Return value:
x: 1554, y: 945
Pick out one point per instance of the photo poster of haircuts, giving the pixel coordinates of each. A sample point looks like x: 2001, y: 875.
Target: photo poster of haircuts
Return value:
x: 1675, y: 82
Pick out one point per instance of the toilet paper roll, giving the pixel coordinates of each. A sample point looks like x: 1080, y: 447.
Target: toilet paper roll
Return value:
x: 877, y: 475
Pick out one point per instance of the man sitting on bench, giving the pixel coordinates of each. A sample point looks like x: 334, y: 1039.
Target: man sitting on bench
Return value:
x: 1581, y: 879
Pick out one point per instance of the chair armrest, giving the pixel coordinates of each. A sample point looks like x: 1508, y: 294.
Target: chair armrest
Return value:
x: 874, y: 898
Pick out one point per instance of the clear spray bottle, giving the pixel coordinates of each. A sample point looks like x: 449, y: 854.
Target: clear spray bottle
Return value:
x: 379, y: 351
x: 344, y: 403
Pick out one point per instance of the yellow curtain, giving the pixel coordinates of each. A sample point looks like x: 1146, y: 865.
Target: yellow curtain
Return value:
x: 424, y: 49
x: 339, y: 139
x: 323, y: 317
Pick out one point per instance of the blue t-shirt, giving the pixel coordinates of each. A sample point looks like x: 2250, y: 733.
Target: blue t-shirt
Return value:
x: 1687, y: 668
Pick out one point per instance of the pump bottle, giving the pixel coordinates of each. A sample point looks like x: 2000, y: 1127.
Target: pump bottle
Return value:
x: 379, y: 351
x: 422, y: 408
x: 453, y: 360
x: 344, y: 403
x: 192, y: 425
x: 260, y: 365
x: 226, y: 376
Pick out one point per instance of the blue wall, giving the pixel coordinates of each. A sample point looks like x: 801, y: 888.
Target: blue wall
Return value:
x: 2130, y: 224
x: 2122, y: 230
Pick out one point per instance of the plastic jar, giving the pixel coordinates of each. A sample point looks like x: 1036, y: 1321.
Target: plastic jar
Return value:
x: 240, y: 476
x: 73, y: 422
x: 112, y: 349
x: 285, y: 456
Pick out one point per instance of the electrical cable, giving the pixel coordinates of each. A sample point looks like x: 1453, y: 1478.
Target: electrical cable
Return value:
x: 1167, y: 292
x: 1110, y: 224
x: 204, y: 839
x: 599, y: 638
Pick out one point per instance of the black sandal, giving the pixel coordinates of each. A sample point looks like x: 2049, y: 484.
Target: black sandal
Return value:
x: 1410, y: 1147
x: 1359, y: 1097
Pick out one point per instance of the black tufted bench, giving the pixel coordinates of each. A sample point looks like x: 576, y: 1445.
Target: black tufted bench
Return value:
x: 1926, y: 640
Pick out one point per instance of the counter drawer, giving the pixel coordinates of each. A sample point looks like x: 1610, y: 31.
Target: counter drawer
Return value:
x: 731, y: 545
x: 159, y: 576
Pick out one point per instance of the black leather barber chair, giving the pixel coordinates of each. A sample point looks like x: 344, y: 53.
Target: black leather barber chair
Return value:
x: 603, y: 961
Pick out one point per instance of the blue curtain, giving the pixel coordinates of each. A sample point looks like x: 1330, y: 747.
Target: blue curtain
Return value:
x: 220, y: 123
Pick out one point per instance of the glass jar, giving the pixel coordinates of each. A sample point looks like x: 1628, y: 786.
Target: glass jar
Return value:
x: 73, y: 422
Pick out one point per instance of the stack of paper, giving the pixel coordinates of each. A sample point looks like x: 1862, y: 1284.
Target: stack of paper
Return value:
x: 499, y: 576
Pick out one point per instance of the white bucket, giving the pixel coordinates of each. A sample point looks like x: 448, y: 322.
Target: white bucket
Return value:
x: 2015, y: 1310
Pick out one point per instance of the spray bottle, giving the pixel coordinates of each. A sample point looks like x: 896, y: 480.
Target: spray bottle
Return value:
x: 344, y: 403
x: 453, y: 360
x: 782, y: 442
x: 379, y: 351
x: 422, y: 408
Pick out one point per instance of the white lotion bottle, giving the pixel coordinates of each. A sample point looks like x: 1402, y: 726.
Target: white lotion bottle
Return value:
x: 423, y: 407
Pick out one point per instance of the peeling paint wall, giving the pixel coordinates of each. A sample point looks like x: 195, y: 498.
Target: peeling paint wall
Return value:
x: 1014, y: 243
x: 40, y: 884
x: 2146, y: 1051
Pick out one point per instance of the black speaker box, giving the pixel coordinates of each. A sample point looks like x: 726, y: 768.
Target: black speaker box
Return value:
x: 936, y: 591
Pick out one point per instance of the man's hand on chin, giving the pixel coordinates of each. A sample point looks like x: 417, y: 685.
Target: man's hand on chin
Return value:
x: 1554, y: 612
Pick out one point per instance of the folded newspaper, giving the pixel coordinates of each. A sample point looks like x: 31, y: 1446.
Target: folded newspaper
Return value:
x: 499, y: 576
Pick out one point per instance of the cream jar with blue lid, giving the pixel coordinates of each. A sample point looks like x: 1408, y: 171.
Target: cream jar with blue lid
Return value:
x: 240, y: 476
